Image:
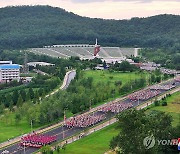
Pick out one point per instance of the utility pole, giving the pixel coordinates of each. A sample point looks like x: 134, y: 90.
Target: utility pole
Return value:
x: 31, y: 125
x: 90, y: 105
x: 26, y: 68
x: 64, y: 123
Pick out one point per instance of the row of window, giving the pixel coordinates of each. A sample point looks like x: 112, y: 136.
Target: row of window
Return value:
x: 9, y: 74
x: 9, y: 70
x: 9, y: 77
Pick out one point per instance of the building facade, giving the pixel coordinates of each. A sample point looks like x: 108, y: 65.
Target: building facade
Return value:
x: 9, y: 72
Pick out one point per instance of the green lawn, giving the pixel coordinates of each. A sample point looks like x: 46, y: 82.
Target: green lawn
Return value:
x: 96, y: 143
x: 106, y: 76
x: 8, y: 128
x: 173, y: 108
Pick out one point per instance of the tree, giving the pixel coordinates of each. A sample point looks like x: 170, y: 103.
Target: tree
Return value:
x: 23, y: 94
x: 156, y: 103
x: 2, y: 107
x: 135, y: 126
x: 11, y: 105
x: 17, y: 117
x: 15, y: 97
x: 20, y: 101
x: 8, y: 100
x: 118, y: 83
x: 153, y: 78
x: 164, y: 103
x: 158, y: 79
x: 45, y: 149
x: 31, y: 93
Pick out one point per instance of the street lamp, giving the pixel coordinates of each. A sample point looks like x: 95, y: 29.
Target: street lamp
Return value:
x: 64, y: 121
x: 90, y: 103
x: 31, y: 124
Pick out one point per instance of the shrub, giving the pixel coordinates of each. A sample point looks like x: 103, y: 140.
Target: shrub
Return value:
x: 111, y: 77
x: 164, y: 103
x: 118, y: 83
x: 156, y: 103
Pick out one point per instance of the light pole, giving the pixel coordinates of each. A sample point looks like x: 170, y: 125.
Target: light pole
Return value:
x: 90, y: 103
x: 31, y: 124
x: 64, y: 122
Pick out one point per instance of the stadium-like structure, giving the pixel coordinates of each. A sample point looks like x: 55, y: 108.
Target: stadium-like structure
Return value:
x: 85, y: 51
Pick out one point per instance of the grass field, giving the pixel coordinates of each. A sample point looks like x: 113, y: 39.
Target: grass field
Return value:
x: 96, y: 143
x: 173, y: 108
x: 106, y: 76
x: 8, y: 128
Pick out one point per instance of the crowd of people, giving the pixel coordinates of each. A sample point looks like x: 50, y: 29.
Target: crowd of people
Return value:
x: 115, y: 107
x: 37, y: 141
x: 162, y: 87
x: 144, y: 95
x: 83, y: 121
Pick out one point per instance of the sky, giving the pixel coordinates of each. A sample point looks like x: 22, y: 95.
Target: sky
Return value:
x: 107, y: 9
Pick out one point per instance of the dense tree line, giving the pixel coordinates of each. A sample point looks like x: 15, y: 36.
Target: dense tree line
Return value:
x: 124, y: 66
x: 39, y: 87
x: 36, y: 26
x: 10, y: 84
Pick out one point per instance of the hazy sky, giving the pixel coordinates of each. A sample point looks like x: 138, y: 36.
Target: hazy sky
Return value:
x: 109, y: 9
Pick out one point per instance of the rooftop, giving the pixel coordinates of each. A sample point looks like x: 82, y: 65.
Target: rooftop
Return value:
x: 9, y: 66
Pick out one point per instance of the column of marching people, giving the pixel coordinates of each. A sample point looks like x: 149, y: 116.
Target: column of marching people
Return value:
x: 144, y: 95
x: 84, y: 120
x: 115, y: 107
x: 37, y: 140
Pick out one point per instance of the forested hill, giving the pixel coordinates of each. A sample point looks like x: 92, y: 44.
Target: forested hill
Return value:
x: 35, y: 26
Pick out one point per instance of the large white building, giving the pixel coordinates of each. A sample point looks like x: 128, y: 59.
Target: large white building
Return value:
x: 9, y: 72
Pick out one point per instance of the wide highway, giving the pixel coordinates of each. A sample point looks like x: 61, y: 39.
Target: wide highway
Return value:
x: 17, y: 149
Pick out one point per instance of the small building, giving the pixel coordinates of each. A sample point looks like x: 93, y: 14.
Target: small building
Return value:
x: 9, y: 72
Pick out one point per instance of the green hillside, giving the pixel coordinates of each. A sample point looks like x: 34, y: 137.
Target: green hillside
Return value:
x: 35, y: 26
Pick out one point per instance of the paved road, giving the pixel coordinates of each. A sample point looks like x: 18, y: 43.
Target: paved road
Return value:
x: 67, y: 80
x: 69, y: 132
x: 71, y: 75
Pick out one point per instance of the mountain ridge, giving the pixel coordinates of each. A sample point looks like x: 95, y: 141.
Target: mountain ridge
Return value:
x: 36, y: 26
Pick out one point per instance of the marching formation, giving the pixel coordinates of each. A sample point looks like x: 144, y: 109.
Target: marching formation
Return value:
x: 83, y: 121
x: 144, y: 95
x: 37, y: 141
x: 115, y: 107
x: 162, y: 87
